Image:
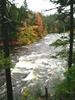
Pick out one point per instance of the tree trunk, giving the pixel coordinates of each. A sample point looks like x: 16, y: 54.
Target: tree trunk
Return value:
x: 4, y: 31
x: 71, y: 34
x: 46, y: 93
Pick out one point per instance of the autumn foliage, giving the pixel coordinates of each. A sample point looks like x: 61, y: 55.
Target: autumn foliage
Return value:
x: 29, y: 33
x: 39, y: 23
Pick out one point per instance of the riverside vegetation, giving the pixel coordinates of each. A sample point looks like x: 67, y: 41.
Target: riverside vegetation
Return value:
x: 66, y: 89
x: 27, y: 27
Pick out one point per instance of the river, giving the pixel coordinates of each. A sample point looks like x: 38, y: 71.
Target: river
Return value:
x: 37, y: 66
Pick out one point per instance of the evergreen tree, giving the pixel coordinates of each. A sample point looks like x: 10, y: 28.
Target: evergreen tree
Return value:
x: 4, y: 31
x: 25, y: 5
x: 63, y: 4
x: 23, y: 11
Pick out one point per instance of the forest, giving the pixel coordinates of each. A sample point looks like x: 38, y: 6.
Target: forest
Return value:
x: 21, y: 27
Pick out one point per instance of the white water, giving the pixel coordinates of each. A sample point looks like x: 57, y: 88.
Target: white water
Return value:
x: 35, y: 65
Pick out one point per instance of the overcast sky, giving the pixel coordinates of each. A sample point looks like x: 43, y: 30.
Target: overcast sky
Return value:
x: 38, y: 5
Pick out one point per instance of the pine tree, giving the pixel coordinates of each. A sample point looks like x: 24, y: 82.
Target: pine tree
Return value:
x: 25, y: 5
x: 63, y: 4
x: 4, y: 31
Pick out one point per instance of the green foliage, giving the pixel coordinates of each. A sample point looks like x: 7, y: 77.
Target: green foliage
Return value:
x: 31, y: 95
x: 73, y: 57
x: 22, y: 18
x: 16, y: 16
x: 59, y: 43
x: 50, y: 22
x: 25, y: 5
x: 66, y: 90
x: 63, y: 15
x: 4, y: 62
x: 56, y: 23
x: 61, y: 2
x: 63, y: 54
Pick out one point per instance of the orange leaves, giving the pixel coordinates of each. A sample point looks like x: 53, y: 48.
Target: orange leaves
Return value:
x: 39, y: 23
x: 29, y: 33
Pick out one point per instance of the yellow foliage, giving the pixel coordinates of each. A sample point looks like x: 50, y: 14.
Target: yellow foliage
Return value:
x: 28, y: 34
x: 26, y: 92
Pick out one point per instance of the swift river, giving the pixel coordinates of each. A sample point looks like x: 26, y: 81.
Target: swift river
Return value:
x: 36, y: 65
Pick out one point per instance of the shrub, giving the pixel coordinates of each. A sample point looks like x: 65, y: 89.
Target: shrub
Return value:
x: 66, y: 90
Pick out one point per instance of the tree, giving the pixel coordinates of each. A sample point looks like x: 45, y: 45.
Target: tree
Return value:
x: 39, y: 24
x: 70, y: 60
x: 24, y: 12
x: 63, y: 4
x: 25, y: 5
x: 4, y: 32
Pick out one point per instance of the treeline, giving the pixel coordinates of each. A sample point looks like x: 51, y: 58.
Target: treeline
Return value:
x: 57, y: 23
x: 24, y: 26
x: 66, y: 89
x: 17, y: 26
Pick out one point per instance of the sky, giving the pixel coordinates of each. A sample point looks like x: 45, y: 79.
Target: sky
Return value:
x: 38, y: 6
